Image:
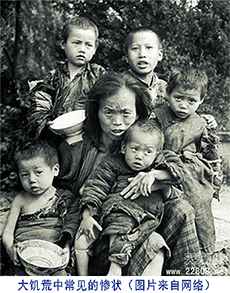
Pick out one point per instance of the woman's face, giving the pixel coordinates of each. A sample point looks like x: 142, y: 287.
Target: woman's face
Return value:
x: 117, y: 113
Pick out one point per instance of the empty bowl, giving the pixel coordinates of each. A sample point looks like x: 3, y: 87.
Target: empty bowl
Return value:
x: 41, y: 258
x: 68, y: 124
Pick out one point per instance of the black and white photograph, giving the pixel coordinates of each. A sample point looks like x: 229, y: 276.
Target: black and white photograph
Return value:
x: 115, y: 140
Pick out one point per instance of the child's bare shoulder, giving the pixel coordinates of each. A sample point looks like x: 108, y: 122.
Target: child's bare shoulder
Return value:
x: 21, y: 198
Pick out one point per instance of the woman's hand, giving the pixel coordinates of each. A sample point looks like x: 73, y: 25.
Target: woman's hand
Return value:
x: 133, y: 189
x: 210, y: 120
x: 87, y: 228
x: 144, y: 183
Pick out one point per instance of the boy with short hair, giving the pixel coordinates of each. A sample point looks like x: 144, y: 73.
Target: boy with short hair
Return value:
x: 66, y: 88
x: 144, y: 51
x: 38, y: 211
x: 186, y: 134
x: 128, y: 223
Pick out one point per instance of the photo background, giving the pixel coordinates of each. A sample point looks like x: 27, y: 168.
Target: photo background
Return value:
x: 193, y: 32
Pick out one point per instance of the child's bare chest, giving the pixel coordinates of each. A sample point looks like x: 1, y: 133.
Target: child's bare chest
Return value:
x: 32, y: 205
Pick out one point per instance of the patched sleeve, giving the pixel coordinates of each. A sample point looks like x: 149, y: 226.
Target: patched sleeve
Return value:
x: 99, y: 184
x: 41, y: 107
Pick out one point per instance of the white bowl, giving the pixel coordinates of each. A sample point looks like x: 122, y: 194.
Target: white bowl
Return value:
x: 41, y: 258
x: 69, y: 124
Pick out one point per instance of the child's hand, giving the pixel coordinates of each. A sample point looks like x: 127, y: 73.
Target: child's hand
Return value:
x: 50, y: 123
x: 210, y: 120
x: 12, y: 252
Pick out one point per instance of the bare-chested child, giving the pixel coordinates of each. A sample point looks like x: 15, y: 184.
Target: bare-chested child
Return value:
x: 38, y: 211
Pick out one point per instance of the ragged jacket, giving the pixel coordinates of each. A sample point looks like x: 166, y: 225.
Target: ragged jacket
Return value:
x: 47, y: 222
x: 194, y: 143
x: 57, y: 94
x: 110, y: 178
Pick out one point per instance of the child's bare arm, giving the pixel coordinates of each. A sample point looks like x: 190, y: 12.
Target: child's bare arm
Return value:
x: 8, y: 233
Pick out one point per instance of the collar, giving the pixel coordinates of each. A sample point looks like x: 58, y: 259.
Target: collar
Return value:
x: 65, y: 69
x: 153, y: 82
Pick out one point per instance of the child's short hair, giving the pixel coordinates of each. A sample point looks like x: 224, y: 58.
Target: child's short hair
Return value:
x: 80, y: 22
x: 129, y: 38
x: 188, y: 78
x: 36, y: 148
x: 146, y: 126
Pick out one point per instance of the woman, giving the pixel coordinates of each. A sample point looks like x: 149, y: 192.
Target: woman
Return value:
x: 115, y: 102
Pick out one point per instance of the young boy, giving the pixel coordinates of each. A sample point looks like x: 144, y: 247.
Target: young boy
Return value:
x: 66, y: 88
x: 144, y: 51
x: 186, y: 134
x: 128, y: 223
x: 38, y: 211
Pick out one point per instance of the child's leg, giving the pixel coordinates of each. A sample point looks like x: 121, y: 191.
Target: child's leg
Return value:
x: 154, y: 268
x: 115, y: 269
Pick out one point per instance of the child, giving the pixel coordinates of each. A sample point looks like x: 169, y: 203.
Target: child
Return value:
x: 66, y: 88
x: 38, y: 211
x: 128, y: 223
x: 144, y: 50
x: 186, y: 134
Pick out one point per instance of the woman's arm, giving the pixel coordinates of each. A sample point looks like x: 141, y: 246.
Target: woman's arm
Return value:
x: 143, y: 183
x: 95, y: 190
x: 168, y: 170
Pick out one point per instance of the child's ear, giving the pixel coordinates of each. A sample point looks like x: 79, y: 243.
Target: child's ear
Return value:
x: 123, y: 148
x: 160, y: 54
x: 56, y: 169
x: 62, y: 45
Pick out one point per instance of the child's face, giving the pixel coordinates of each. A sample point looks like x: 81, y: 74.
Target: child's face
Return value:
x: 36, y: 176
x: 144, y: 53
x: 116, y: 113
x: 80, y: 46
x: 184, y: 102
x: 140, y: 152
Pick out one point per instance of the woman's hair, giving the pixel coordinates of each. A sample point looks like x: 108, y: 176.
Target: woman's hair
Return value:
x: 129, y: 38
x: 146, y: 126
x: 188, y: 78
x: 36, y: 148
x: 106, y: 86
x: 80, y: 22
